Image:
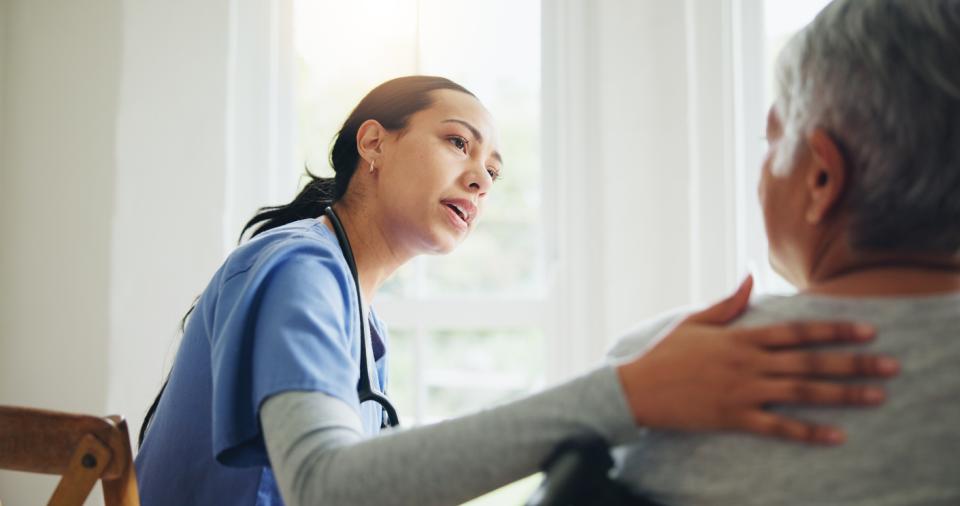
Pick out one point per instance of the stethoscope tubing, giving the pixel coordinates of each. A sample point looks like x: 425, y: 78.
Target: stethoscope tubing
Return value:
x: 366, y: 390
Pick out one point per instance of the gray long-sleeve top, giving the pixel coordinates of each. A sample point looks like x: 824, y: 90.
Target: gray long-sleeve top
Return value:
x: 905, y: 452
x: 319, y: 455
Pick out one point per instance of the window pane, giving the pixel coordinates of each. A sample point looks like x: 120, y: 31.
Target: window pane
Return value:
x: 402, y: 387
x: 330, y: 79
x: 782, y: 19
x: 403, y: 282
x: 493, y: 48
x: 501, y: 257
x: 466, y: 370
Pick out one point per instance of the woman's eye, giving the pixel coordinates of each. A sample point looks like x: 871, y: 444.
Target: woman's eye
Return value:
x: 458, y: 142
x: 494, y: 174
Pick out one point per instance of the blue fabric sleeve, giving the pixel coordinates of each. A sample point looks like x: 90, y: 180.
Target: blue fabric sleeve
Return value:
x: 287, y: 323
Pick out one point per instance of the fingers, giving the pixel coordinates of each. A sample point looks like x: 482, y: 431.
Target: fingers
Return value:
x: 795, y: 334
x: 836, y: 365
x: 727, y: 309
x: 781, y: 427
x: 806, y: 392
x: 822, y: 393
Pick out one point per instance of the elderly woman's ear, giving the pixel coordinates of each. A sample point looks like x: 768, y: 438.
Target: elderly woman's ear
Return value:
x: 826, y: 176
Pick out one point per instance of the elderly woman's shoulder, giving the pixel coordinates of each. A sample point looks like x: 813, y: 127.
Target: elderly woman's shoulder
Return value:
x: 645, y: 334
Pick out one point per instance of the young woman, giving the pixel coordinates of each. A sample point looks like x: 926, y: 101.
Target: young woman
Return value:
x: 277, y: 387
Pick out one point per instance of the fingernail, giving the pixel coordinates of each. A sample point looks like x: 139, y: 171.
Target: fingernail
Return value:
x: 888, y: 365
x: 863, y: 331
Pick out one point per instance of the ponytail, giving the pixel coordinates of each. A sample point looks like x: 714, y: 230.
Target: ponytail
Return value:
x: 317, y: 195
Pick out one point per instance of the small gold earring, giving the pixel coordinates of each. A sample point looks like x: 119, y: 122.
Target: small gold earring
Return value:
x: 371, y: 166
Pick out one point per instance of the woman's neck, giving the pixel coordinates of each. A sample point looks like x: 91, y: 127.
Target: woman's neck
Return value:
x: 375, y: 258
x: 843, y: 272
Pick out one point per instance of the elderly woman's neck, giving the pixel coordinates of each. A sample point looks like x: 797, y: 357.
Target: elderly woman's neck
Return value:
x: 842, y: 272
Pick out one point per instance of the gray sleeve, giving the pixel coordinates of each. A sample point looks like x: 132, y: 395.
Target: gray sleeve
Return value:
x: 319, y: 455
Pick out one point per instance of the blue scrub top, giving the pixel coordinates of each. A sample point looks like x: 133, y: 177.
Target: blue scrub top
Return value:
x: 280, y: 314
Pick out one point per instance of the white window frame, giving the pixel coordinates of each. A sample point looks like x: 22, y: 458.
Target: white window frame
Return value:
x: 708, y: 62
x: 749, y: 70
x: 260, y: 119
x: 568, y: 105
x: 583, y: 42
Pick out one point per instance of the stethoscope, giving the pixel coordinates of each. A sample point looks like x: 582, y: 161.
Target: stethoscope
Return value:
x: 366, y: 389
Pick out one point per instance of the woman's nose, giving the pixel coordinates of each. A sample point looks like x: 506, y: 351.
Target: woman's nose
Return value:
x: 479, y: 180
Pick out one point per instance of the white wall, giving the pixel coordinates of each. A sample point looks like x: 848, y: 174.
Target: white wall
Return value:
x: 168, y: 206
x: 60, y: 82
x: 111, y: 198
x: 4, y: 21
x: 58, y: 169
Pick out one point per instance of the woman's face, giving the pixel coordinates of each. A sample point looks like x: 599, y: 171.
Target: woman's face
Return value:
x: 782, y: 201
x: 434, y: 176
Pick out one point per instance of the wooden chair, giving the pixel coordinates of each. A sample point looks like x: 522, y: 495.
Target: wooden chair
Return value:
x: 81, y: 448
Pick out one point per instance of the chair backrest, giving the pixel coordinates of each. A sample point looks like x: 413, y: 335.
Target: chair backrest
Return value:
x: 80, y: 448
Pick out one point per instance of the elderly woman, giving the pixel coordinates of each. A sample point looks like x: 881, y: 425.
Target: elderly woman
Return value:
x: 861, y: 199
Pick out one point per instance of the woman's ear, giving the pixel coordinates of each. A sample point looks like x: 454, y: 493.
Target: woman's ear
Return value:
x: 370, y: 137
x: 826, y: 178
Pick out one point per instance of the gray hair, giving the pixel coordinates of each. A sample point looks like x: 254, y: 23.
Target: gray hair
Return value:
x: 882, y: 77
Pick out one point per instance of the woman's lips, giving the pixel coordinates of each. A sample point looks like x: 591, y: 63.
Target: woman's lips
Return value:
x: 465, y: 208
x: 455, y: 219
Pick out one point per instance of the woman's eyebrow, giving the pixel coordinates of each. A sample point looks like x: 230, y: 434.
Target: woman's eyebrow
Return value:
x: 476, y: 135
